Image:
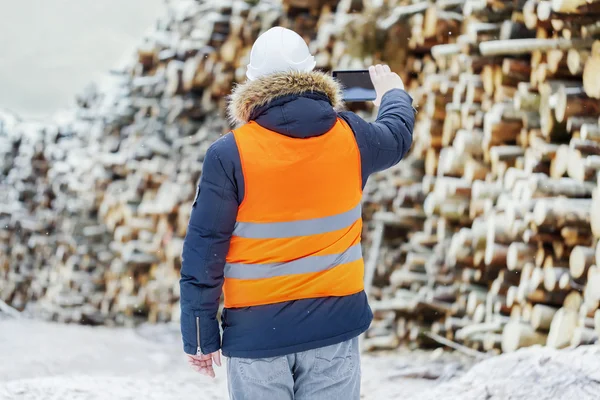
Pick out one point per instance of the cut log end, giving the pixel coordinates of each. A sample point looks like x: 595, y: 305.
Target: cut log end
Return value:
x: 591, y: 83
x: 580, y: 260
x: 541, y: 316
x: 516, y: 335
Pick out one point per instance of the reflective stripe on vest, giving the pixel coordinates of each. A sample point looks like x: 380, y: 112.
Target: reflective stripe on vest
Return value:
x: 298, y: 229
x: 299, y: 266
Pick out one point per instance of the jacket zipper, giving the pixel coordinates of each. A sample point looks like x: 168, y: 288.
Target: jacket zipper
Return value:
x: 198, y: 351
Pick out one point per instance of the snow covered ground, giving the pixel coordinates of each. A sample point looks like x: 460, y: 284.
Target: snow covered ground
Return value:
x: 40, y: 360
x: 51, y: 49
x: 45, y: 361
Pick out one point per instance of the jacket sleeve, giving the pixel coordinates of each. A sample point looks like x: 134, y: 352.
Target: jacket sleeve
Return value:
x: 205, y: 247
x: 386, y: 141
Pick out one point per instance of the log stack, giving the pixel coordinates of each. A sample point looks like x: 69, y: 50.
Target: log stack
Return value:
x: 507, y: 251
x: 486, y: 234
x: 94, y: 207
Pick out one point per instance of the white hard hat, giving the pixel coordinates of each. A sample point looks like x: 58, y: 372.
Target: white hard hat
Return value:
x: 279, y: 50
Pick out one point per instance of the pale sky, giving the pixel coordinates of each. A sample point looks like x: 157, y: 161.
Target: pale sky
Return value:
x: 51, y: 49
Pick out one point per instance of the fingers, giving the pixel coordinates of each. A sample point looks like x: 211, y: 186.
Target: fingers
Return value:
x: 200, y: 356
x: 216, y: 356
x: 204, y: 363
x: 203, y: 367
x: 372, y: 72
x: 210, y: 372
x: 379, y: 69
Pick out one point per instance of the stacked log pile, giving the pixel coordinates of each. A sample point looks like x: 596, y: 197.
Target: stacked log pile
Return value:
x: 486, y: 234
x: 503, y: 246
x: 94, y: 208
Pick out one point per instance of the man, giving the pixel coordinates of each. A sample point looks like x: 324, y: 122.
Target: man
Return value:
x: 276, y: 224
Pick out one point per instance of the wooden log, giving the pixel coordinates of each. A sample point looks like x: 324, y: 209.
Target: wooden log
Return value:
x: 552, y: 130
x: 147, y: 57
x: 387, y: 342
x: 591, y: 83
x: 574, y: 124
x: 401, y: 278
x: 431, y: 162
x: 519, y: 254
x: 574, y: 102
x: 590, y: 30
x: 479, y: 314
x: 500, y: 131
x: 560, y: 163
x: 541, y: 316
x: 567, y: 283
x: 580, y: 168
x: 590, y: 132
x: 516, y: 312
x: 174, y: 74
x: 575, y: 6
x: 540, y: 296
x: 562, y: 328
x: 527, y: 46
x: 597, y: 254
x: 557, y: 63
x: 583, y: 336
x: 468, y: 142
x: 576, y: 236
x: 515, y: 30
x: 543, y: 186
x: 527, y: 98
x: 516, y: 335
x: 544, y: 10
x: 576, y: 59
x: 508, y: 153
x: 526, y: 312
x: 474, y: 299
x: 580, y: 261
x: 495, y: 254
x: 586, y: 147
x: 474, y: 329
x: 595, y: 215
x: 530, y: 14
x: 552, y: 275
x: 573, y: 301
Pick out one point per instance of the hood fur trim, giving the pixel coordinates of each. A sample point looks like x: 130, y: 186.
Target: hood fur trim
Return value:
x: 250, y: 95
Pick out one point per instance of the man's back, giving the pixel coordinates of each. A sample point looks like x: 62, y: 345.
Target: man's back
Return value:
x: 276, y: 224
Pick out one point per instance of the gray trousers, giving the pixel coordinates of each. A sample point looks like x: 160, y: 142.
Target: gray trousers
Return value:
x: 326, y: 373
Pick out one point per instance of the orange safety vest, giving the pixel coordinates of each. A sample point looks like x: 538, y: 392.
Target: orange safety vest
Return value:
x: 298, y: 228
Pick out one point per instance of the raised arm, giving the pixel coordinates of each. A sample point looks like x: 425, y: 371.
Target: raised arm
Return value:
x: 386, y: 141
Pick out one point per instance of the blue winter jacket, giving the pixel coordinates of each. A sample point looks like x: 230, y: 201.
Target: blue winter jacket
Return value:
x: 293, y: 326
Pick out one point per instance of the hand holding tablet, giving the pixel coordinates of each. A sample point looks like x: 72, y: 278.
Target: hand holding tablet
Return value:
x: 368, y: 85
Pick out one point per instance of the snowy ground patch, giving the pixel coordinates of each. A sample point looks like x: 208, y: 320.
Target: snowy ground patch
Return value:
x: 43, y: 360
x: 538, y: 373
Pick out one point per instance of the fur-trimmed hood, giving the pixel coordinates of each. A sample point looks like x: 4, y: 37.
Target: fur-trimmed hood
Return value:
x: 250, y: 95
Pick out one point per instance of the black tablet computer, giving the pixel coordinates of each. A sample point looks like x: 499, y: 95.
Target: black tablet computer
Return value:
x: 356, y: 84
